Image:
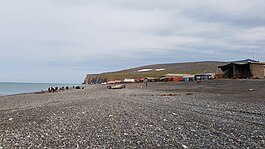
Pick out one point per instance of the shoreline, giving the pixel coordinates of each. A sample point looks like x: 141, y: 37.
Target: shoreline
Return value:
x: 37, y: 91
x: 161, y: 115
x: 131, y: 84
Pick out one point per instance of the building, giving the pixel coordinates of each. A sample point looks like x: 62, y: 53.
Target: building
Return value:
x: 139, y: 80
x: 243, y: 70
x: 114, y: 82
x: 129, y: 80
x: 187, y: 78
x: 151, y: 79
x: 175, y: 77
x: 204, y: 76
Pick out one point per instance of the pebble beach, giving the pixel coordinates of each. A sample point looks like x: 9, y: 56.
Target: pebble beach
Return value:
x: 209, y: 114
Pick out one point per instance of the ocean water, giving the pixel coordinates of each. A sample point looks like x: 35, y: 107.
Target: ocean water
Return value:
x: 10, y: 88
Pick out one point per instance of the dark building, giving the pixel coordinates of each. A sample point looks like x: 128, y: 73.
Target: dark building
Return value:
x: 243, y: 70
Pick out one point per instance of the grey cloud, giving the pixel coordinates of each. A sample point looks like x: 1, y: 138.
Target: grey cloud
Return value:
x: 239, y: 13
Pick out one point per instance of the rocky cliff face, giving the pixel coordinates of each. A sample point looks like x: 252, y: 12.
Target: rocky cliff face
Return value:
x: 94, y: 79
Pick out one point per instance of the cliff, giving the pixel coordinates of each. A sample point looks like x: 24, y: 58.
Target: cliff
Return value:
x: 95, y: 78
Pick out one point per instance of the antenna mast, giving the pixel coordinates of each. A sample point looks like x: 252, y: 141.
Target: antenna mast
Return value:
x: 253, y: 54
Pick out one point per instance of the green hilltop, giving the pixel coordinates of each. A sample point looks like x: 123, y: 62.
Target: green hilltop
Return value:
x: 176, y: 68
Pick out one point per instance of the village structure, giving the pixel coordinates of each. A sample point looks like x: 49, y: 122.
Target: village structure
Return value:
x: 251, y: 70
x: 247, y: 69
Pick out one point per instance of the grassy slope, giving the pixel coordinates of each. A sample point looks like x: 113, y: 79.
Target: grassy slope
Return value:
x: 190, y: 68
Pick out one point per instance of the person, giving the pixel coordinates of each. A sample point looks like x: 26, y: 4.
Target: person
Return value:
x: 145, y: 81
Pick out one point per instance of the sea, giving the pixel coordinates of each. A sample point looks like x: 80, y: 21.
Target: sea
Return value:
x: 10, y: 88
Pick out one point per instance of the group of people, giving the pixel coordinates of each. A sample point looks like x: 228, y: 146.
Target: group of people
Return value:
x: 54, y: 89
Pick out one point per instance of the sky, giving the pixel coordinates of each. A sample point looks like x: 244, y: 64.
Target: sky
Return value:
x: 63, y: 40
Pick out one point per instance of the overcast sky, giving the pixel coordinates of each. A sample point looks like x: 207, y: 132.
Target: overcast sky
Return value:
x: 63, y: 40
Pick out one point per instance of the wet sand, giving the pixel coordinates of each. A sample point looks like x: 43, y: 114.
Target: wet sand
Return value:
x: 209, y: 114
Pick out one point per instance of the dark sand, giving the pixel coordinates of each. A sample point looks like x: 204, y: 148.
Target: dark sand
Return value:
x: 210, y: 114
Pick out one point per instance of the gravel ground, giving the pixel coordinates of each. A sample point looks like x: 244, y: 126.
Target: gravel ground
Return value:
x: 210, y: 114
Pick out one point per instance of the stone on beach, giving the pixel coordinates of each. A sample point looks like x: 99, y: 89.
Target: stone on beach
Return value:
x: 131, y: 118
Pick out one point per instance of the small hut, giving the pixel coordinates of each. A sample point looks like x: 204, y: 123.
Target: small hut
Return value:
x: 204, y: 76
x: 187, y: 78
x: 175, y: 77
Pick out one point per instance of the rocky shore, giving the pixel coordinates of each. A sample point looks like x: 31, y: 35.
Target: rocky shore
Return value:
x: 209, y: 114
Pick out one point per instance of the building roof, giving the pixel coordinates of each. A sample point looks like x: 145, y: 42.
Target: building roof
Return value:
x: 246, y: 61
x: 242, y: 63
x: 175, y: 75
x: 188, y: 76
